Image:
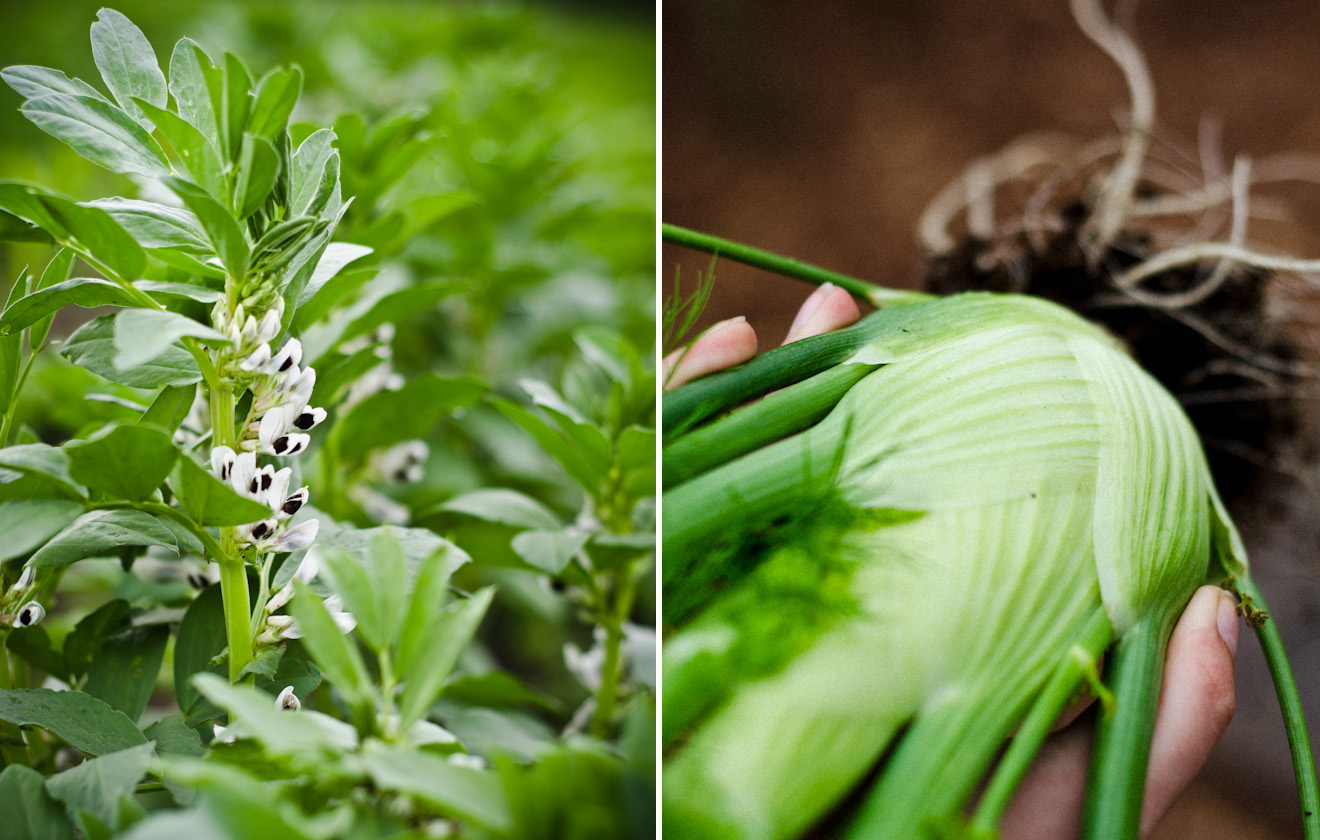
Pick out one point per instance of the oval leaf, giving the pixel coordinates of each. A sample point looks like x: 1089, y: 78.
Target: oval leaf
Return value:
x: 80, y: 291
x: 92, y: 347
x: 102, y: 532
x: 127, y: 63
x: 98, y: 131
x: 28, y: 523
x: 126, y: 462
x: 142, y: 335
x: 82, y: 721
x: 209, y: 501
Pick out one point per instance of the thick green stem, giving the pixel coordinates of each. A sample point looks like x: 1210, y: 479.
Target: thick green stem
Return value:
x: 1116, y: 783
x: 1058, y: 693
x: 876, y: 295
x: 233, y: 574
x: 238, y: 610
x: 612, y: 668
x: 777, y: 416
x: 1290, y: 703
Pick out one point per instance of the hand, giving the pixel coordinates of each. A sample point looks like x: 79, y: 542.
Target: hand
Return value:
x: 1197, y: 695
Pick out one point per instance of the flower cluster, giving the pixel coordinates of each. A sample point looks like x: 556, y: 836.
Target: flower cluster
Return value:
x: 277, y: 425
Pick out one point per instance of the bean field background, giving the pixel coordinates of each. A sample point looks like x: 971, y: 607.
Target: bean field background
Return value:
x: 442, y: 391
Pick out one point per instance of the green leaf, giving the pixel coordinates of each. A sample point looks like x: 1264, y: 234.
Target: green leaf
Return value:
x: 97, y: 237
x: 124, y: 672
x: 222, y: 229
x: 28, y: 523
x: 174, y: 736
x: 308, y: 735
x: 418, y: 545
x: 80, y: 291
x: 429, y: 594
x: 98, y: 131
x: 32, y: 81
x: 167, y: 288
x: 27, y: 811
x: 277, y: 93
x: 436, y: 652
x: 266, y: 664
x: 390, y: 417
x: 197, y: 88
x: 127, y: 63
x: 142, y: 335
x: 588, y: 440
x: 46, y: 461
x: 236, y: 103
x: 92, y: 632
x: 549, y: 551
x: 170, y: 407
x: 210, y: 501
x: 157, y: 225
x: 258, y: 167
x: 508, y: 507
x: 308, y: 171
x: 82, y: 721
x: 196, y: 151
x: 57, y: 271
x: 14, y: 229
x: 201, y: 638
x: 92, y: 347
x: 102, y: 785
x: 373, y: 591
x: 462, y: 792
x: 574, y: 462
x: 334, y: 653
x: 33, y: 646
x: 100, y: 533
x: 332, y: 261
x: 126, y: 462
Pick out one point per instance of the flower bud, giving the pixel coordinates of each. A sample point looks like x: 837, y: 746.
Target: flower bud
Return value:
x: 30, y: 615
x: 288, y: 701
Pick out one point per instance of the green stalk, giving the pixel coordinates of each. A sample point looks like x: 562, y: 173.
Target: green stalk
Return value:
x: 757, y: 258
x: 233, y: 574
x: 612, y: 667
x: 1058, y: 693
x: 777, y: 416
x: 7, y: 421
x: 773, y: 370
x: 1290, y: 703
x: 1116, y: 783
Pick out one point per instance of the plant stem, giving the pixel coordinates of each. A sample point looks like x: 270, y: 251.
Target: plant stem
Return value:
x: 1290, y: 703
x: 876, y: 295
x: 613, y: 665
x: 233, y: 573
x: 238, y: 610
x: 8, y: 419
x: 1116, y: 783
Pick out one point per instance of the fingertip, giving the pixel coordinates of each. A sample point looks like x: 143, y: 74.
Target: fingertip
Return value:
x: 727, y: 343
x: 1197, y: 700
x: 828, y: 308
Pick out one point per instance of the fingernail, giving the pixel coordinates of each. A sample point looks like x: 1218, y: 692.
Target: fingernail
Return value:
x: 1226, y: 618
x: 741, y: 319
x: 809, y: 306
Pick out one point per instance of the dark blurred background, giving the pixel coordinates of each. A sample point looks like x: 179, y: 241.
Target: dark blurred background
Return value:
x: 821, y: 130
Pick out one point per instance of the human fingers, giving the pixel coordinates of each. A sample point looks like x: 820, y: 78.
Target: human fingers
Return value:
x: 724, y: 345
x: 828, y: 308
x: 1196, y: 703
x: 1196, y: 699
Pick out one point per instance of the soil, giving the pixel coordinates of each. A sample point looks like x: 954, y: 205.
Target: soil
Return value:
x: 822, y: 130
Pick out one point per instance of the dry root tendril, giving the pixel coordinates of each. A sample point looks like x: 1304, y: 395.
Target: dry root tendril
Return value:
x: 1095, y: 227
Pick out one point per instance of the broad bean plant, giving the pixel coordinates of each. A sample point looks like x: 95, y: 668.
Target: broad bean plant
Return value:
x: 288, y: 643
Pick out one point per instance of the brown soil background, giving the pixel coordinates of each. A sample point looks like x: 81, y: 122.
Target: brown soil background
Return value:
x: 821, y: 130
